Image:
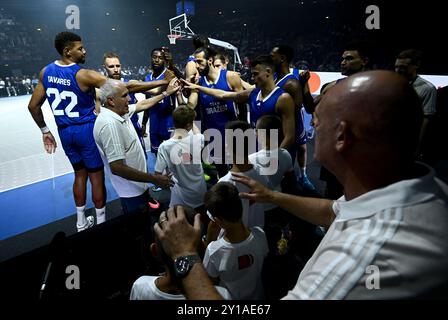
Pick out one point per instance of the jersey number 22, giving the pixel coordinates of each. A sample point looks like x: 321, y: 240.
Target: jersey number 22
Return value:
x: 58, y: 97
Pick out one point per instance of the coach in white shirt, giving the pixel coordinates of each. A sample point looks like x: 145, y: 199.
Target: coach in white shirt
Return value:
x: 120, y: 148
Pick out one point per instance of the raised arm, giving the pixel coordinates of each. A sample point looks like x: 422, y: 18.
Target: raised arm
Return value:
x: 35, y: 108
x: 89, y: 79
x: 238, y: 97
x: 286, y: 109
x: 170, y: 62
x: 136, y: 86
x: 190, y: 71
x: 316, y: 211
x: 235, y: 83
x: 308, y: 100
x: 173, y: 87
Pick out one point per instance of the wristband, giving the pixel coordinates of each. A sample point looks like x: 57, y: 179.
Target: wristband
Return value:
x: 44, y: 130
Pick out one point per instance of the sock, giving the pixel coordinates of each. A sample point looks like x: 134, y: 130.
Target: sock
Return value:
x: 303, y: 172
x: 100, y: 215
x: 80, y: 215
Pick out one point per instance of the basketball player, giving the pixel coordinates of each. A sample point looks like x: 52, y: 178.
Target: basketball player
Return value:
x: 215, y: 112
x: 71, y: 95
x: 199, y: 41
x: 161, y: 115
x: 282, y: 56
x: 265, y: 99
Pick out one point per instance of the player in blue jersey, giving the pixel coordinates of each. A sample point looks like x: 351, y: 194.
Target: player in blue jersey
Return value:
x: 215, y: 112
x: 199, y: 41
x: 161, y: 115
x: 282, y: 56
x: 71, y: 95
x: 265, y: 99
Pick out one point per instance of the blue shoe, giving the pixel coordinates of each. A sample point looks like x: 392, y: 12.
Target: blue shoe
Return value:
x: 306, y: 184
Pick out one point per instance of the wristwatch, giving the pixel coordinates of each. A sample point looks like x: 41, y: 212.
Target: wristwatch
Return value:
x: 183, y: 264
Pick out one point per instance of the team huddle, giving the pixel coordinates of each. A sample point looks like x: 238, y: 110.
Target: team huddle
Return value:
x: 217, y: 96
x: 252, y: 135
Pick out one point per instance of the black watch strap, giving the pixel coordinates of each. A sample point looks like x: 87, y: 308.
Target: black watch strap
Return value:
x: 183, y: 264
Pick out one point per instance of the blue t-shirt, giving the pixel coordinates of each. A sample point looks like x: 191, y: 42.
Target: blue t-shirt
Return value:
x: 260, y: 107
x: 70, y: 105
x: 216, y: 113
x: 161, y: 115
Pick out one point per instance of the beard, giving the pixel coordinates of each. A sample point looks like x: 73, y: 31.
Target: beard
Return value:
x: 204, y: 71
x: 158, y: 69
x: 115, y: 76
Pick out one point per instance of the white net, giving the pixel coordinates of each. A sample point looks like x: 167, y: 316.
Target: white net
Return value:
x: 173, y: 38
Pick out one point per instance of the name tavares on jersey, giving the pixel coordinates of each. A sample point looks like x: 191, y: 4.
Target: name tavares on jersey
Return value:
x: 64, y: 82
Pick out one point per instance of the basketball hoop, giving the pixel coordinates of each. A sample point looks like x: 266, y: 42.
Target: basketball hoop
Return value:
x: 173, y: 38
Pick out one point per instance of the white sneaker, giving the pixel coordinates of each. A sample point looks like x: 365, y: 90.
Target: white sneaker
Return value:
x: 90, y: 222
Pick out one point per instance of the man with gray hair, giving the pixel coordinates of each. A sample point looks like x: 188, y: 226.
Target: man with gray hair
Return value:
x: 119, y: 145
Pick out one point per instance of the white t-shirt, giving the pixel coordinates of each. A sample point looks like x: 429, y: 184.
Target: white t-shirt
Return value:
x: 145, y: 288
x: 239, y: 265
x: 253, y: 213
x: 182, y: 157
x: 116, y: 139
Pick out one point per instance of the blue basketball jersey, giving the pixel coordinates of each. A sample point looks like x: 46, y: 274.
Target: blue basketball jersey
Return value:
x: 133, y: 100
x: 260, y: 107
x: 281, y: 82
x: 300, y: 131
x: 296, y: 73
x: 216, y: 113
x: 161, y: 115
x: 70, y: 105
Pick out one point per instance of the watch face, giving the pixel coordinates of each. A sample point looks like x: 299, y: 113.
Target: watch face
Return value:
x: 182, y: 266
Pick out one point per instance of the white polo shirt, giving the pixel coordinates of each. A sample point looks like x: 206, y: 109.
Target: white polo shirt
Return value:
x: 389, y: 243
x: 117, y: 139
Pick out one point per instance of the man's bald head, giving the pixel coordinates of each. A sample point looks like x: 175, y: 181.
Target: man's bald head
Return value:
x: 380, y: 111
